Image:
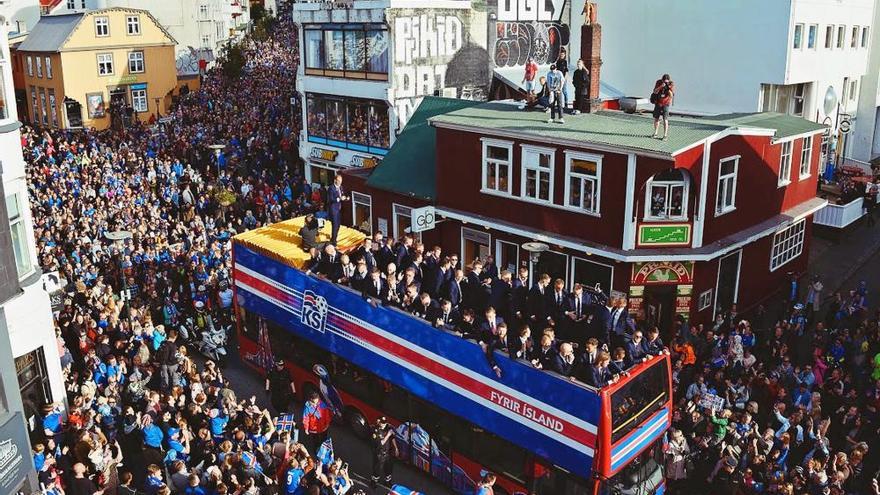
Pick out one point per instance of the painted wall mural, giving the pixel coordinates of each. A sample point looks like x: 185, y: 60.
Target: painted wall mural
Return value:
x: 528, y: 28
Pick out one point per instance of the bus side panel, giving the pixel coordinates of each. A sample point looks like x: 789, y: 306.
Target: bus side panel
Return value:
x: 531, y: 408
x: 474, y: 470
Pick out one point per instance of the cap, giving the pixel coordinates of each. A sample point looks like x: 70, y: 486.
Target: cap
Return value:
x: 200, y: 305
x: 798, y: 306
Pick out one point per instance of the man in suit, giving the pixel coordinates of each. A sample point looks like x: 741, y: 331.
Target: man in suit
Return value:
x: 622, y: 325
x: 538, y: 299
x: 436, y: 276
x: 576, y: 315
x: 360, y: 278
x: 448, y: 316
x: 425, y: 308
x: 489, y: 267
x: 583, y: 369
x: 558, y: 306
x: 545, y: 354
x: 564, y: 361
x: 335, y: 197
x: 520, y: 294
x: 454, y: 289
x: 365, y: 253
x: 489, y: 325
x: 601, y: 375
x: 500, y: 291
x: 329, y: 265
x: 376, y: 287
x: 409, y: 278
x: 521, y: 345
x: 402, y: 255
x: 385, y: 253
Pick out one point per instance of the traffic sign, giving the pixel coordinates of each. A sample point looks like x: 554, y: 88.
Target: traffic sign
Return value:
x: 845, y: 126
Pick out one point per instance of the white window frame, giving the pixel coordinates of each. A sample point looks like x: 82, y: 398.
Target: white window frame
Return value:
x: 102, y: 25
x: 785, y: 152
x: 138, y: 95
x: 404, y: 211
x: 39, y: 67
x: 203, y: 11
x: 525, y: 166
x: 829, y: 36
x: 574, y: 259
x: 133, y: 21
x: 726, y: 181
x: 508, y: 145
x: 18, y: 223
x: 71, y: 4
x: 685, y: 198
x: 787, y: 245
x: 864, y: 42
x: 705, y: 300
x: 30, y: 66
x: 362, y: 200
x: 103, y: 58
x: 797, y: 43
x: 806, y: 158
x: 854, y: 42
x: 840, y: 41
x: 597, y: 180
x: 133, y: 59
x: 853, y: 89
x: 815, y: 29
x: 206, y: 41
x: 48, y: 68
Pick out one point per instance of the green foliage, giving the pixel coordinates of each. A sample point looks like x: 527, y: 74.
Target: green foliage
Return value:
x: 232, y: 61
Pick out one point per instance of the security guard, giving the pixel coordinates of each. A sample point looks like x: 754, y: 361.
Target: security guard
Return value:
x: 280, y: 387
x: 384, y: 446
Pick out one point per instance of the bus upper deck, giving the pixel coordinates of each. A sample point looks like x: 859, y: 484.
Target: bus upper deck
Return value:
x: 574, y: 425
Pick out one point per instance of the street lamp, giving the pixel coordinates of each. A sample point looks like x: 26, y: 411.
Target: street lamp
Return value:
x: 118, y: 237
x: 218, y: 148
x: 157, y: 108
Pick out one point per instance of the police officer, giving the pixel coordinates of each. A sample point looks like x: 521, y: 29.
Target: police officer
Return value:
x: 384, y: 445
x: 280, y: 387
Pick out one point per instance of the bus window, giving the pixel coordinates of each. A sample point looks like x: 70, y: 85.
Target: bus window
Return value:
x: 282, y: 343
x: 297, y: 350
x: 500, y: 456
x: 643, y: 475
x: 558, y: 481
x: 356, y: 381
x: 250, y: 324
x: 395, y: 402
x: 638, y: 399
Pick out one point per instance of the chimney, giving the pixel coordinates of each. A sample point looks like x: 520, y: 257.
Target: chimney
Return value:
x: 591, y: 52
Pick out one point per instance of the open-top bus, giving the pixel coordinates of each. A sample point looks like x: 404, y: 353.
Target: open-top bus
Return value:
x: 454, y: 418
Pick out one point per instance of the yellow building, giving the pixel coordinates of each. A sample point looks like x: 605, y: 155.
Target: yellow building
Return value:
x: 88, y: 69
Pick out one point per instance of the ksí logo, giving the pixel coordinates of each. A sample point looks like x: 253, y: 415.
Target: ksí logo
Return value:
x: 314, y: 312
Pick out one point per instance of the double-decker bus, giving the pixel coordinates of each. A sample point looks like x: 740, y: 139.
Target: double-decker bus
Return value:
x: 453, y: 417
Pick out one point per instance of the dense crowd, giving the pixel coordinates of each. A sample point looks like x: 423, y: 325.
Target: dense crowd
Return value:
x: 143, y: 416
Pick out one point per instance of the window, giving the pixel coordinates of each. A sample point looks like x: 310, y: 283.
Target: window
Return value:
x: 726, y: 199
x: 537, y: 174
x: 352, y: 51
x: 812, y: 34
x: 841, y: 34
x: 35, y: 116
x: 133, y: 24
x: 53, y: 110
x: 582, y: 176
x: 853, y: 89
x: 105, y: 64
x: 206, y: 41
x: 49, y: 67
x: 4, y: 104
x: 864, y: 37
x: 785, y: 164
x: 203, y: 11
x: 705, y: 300
x: 788, y: 99
x: 806, y: 157
x: 854, y: 42
x: 788, y: 244
x: 403, y: 222
x: 39, y: 67
x: 30, y: 66
x: 829, y: 36
x: 800, y: 91
x: 135, y: 62
x: 71, y: 4
x: 102, y: 26
x: 638, y: 399
x: 43, y: 110
x: 667, y: 196
x: 362, y: 212
x: 591, y: 274
x: 18, y: 229
x: 353, y: 123
x: 139, y: 100
x: 497, y: 165
x: 798, y: 36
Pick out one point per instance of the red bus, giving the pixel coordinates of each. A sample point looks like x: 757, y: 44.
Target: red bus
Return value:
x: 453, y: 417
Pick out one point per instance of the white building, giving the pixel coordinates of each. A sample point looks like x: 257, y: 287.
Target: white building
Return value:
x: 20, y: 15
x: 742, y: 56
x: 201, y: 27
x: 367, y: 66
x: 25, y: 308
x: 866, y: 134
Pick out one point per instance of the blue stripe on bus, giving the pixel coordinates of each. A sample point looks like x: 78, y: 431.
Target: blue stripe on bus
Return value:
x: 652, y: 429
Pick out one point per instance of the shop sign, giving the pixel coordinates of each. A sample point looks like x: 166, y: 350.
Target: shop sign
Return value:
x: 683, y: 305
x: 678, y: 234
x: 684, y: 290
x: 423, y: 218
x: 635, y: 306
x: 128, y: 79
x: 14, y: 466
x: 363, y: 161
x: 663, y: 272
x: 323, y: 154
x: 636, y: 290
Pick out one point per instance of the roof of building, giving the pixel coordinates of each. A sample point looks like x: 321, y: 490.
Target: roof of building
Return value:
x: 410, y: 167
x: 618, y: 130
x: 51, y: 32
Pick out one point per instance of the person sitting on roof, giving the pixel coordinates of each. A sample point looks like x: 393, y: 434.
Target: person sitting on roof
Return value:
x: 309, y: 234
x: 540, y: 97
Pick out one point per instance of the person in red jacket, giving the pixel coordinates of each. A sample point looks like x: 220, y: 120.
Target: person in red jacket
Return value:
x: 661, y: 97
x: 316, y: 419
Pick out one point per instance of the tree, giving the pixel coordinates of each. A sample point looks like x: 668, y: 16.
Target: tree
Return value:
x: 233, y: 61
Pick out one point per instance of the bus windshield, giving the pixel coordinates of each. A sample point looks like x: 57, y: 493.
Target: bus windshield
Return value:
x: 642, y: 476
x: 637, y: 399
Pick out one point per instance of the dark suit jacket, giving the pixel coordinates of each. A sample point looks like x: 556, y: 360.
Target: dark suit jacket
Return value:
x: 537, y: 303
x: 367, y: 256
x: 451, y: 320
x: 636, y: 351
x: 334, y: 197
x: 328, y: 268
x: 583, y: 369
x: 519, y: 297
x: 545, y: 357
x: 428, y: 312
x: 600, y: 327
x: 434, y: 280
x: 601, y: 377
x: 384, y: 256
x: 560, y: 366
x: 486, y: 330
x: 369, y: 289
x: 556, y: 310
x: 499, y: 297
x: 401, y: 256
x: 453, y: 292
x: 520, y: 349
x: 624, y: 324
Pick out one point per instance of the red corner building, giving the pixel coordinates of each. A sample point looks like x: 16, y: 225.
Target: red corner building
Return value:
x: 717, y: 215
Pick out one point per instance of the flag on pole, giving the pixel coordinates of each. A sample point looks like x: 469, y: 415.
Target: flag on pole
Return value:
x: 285, y: 422
x: 325, y: 452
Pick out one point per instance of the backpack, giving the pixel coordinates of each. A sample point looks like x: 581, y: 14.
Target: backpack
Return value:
x: 655, y: 97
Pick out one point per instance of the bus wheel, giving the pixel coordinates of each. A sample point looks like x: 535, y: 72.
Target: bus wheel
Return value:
x: 357, y: 422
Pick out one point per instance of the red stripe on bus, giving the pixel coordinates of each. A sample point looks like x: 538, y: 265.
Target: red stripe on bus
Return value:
x: 265, y: 288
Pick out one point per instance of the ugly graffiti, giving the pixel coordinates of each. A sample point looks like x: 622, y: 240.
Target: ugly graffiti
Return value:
x: 515, y: 42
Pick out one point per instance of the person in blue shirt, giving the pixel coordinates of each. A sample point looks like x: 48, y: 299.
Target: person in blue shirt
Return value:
x: 154, y: 480
x: 218, y: 422
x: 485, y: 487
x: 153, y: 435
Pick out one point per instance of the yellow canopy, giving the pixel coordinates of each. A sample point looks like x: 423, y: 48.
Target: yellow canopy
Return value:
x: 281, y: 241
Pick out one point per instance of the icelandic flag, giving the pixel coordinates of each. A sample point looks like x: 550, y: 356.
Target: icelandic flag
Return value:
x: 402, y: 490
x: 286, y: 422
x: 325, y: 452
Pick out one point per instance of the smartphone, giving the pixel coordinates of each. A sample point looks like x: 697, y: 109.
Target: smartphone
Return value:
x: 345, y: 466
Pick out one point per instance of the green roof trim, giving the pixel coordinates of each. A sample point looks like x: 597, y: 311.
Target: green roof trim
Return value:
x: 615, y: 129
x: 410, y: 167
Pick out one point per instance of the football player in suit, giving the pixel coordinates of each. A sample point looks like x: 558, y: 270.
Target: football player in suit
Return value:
x: 520, y: 294
x: 375, y: 286
x: 365, y: 253
x: 336, y: 197
x: 577, y: 314
x: 455, y: 289
x: 521, y: 345
x: 500, y: 292
x: 447, y: 317
x: 538, y: 299
x: 543, y: 356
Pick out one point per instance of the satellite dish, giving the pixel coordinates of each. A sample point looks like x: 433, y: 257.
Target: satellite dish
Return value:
x: 830, y: 100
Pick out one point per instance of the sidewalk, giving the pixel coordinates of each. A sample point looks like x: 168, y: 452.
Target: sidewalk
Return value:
x: 836, y: 262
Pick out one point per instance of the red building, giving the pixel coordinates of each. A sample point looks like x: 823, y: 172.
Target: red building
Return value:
x: 717, y: 215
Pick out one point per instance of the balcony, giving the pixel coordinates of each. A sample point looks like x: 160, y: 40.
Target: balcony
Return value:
x: 840, y: 216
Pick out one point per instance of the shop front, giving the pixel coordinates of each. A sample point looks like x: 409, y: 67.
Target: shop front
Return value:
x: 661, y: 290
x: 33, y: 382
x: 323, y: 162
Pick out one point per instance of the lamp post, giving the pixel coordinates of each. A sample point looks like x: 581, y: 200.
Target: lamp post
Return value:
x: 218, y: 149
x: 118, y: 237
x: 157, y: 108
x: 534, y: 249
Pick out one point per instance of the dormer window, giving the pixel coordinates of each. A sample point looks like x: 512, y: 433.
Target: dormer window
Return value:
x: 666, y: 196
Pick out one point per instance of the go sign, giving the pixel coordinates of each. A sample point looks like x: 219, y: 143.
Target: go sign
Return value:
x: 423, y: 219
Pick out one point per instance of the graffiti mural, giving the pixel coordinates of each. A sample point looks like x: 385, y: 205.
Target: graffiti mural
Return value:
x: 428, y: 45
x: 529, y: 28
